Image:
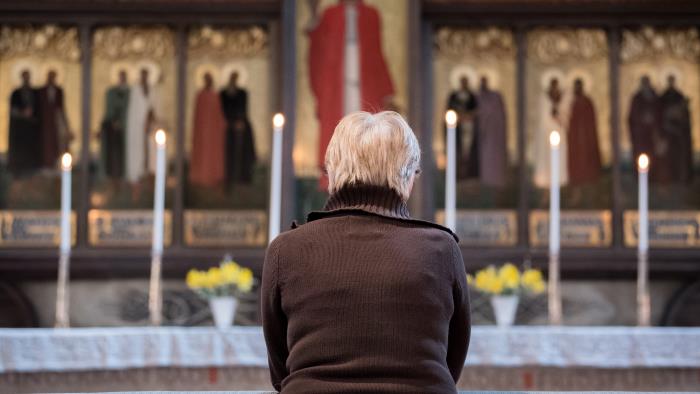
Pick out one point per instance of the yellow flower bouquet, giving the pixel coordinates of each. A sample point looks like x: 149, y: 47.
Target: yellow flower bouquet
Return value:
x: 220, y: 286
x: 505, y: 285
x: 507, y: 280
x: 227, y: 280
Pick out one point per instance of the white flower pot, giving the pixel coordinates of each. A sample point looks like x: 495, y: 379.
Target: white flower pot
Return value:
x: 505, y: 307
x: 224, y: 310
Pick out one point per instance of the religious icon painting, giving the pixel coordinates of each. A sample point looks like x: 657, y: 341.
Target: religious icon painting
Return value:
x: 40, y: 76
x: 660, y: 117
x: 660, y: 113
x: 568, y: 91
x: 229, y: 102
x: 475, y: 76
x: 133, y: 96
x: 349, y: 37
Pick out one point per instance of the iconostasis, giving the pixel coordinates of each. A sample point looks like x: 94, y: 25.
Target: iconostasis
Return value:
x: 227, y: 88
x: 214, y: 89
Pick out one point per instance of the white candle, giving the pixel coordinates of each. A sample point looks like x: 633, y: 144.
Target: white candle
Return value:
x: 643, y: 298
x: 451, y: 171
x: 276, y: 178
x: 554, y: 291
x: 554, y: 231
x: 159, y: 194
x: 643, y: 170
x: 66, y: 167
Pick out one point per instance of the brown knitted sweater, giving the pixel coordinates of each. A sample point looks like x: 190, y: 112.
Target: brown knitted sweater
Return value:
x: 363, y: 298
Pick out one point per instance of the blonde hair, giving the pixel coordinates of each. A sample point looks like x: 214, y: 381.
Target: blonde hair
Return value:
x: 373, y: 149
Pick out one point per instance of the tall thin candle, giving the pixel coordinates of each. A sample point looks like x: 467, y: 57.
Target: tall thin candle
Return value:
x: 643, y: 171
x: 276, y: 178
x: 62, y: 289
x: 554, y: 291
x: 155, y: 303
x: 451, y: 171
x: 159, y: 194
x: 66, y: 169
x: 643, y: 298
x: 554, y: 207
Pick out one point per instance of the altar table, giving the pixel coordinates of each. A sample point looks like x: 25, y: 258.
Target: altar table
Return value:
x: 203, y: 358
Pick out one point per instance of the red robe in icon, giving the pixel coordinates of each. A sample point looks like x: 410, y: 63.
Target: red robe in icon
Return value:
x: 326, y: 67
x: 208, y: 140
x: 584, y: 153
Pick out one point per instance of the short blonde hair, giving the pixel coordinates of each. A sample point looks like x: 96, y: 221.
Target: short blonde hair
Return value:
x: 373, y: 149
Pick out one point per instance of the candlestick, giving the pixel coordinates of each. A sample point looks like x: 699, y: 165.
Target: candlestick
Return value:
x: 643, y: 298
x: 62, y: 290
x: 451, y: 171
x: 155, y: 302
x: 554, y: 290
x: 276, y: 178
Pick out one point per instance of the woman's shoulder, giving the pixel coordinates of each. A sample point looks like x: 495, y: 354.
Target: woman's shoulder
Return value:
x: 440, y: 230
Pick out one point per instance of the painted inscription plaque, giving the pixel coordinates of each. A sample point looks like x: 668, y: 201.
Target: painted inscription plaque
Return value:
x: 583, y: 229
x: 226, y: 228
x: 671, y: 229
x: 28, y: 228
x: 130, y: 228
x: 485, y: 227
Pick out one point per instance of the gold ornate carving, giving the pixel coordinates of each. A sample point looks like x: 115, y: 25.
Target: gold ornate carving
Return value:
x: 133, y: 43
x: 551, y: 46
x: 48, y: 41
x: 226, y: 42
x: 459, y: 43
x: 646, y: 43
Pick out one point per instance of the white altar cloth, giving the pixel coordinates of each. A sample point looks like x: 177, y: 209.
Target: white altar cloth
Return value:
x: 84, y: 349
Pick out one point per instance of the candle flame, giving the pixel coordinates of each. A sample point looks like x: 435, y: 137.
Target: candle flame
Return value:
x: 160, y: 137
x: 278, y: 121
x: 66, y: 161
x: 451, y: 118
x: 554, y: 138
x: 643, y: 162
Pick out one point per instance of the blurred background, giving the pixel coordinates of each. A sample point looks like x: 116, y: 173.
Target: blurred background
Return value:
x: 96, y: 79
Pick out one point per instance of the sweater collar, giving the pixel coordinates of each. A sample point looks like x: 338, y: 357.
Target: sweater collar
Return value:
x: 377, y: 200
x: 369, y: 199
